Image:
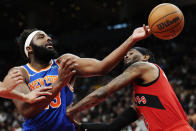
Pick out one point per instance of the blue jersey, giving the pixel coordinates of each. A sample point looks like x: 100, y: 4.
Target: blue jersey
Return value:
x: 53, y: 118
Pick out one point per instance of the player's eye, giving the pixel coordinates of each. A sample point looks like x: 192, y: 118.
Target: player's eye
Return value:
x: 41, y: 36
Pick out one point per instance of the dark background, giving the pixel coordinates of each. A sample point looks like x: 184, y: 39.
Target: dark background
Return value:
x: 77, y: 25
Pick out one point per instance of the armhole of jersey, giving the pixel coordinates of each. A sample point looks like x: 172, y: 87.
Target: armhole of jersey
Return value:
x: 26, y: 72
x: 27, y: 75
x: 152, y: 82
x: 71, y: 84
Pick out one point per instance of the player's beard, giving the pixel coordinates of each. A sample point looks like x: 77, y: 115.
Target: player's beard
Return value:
x: 43, y: 54
x: 135, y: 58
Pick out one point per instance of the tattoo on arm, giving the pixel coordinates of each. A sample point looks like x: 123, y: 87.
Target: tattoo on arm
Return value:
x: 102, y: 93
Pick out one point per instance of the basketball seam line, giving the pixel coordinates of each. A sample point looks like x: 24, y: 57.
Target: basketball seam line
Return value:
x: 155, y: 10
x: 171, y: 28
x: 162, y: 18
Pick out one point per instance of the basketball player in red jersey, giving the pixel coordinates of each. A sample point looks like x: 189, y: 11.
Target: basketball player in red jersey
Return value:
x: 154, y: 98
x: 14, y: 78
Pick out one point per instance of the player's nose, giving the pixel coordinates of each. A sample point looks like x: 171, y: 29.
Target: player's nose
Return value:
x: 49, y: 40
x: 125, y: 57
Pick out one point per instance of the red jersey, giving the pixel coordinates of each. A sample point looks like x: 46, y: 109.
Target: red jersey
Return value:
x: 158, y: 105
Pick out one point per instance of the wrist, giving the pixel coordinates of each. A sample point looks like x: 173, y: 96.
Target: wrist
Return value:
x: 25, y: 98
x: 131, y: 40
x: 59, y: 83
x: 3, y: 88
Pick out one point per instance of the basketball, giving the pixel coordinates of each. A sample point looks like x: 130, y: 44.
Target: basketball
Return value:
x: 166, y: 21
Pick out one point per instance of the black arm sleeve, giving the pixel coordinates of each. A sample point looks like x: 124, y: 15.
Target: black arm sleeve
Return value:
x: 125, y: 118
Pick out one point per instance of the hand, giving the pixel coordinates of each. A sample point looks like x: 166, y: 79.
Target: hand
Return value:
x: 141, y: 33
x: 38, y: 94
x: 12, y: 80
x: 70, y: 115
x: 66, y: 71
x: 71, y: 118
x: 77, y: 125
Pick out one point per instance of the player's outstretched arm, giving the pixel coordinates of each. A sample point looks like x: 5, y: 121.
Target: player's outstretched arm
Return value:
x: 131, y: 73
x: 28, y: 110
x: 92, y: 67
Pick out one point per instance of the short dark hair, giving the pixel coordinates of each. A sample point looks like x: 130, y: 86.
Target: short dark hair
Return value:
x: 145, y: 51
x: 21, y: 41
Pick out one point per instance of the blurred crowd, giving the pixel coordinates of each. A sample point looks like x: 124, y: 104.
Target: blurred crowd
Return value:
x: 176, y: 57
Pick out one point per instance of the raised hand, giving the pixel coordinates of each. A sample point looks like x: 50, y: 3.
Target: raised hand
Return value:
x: 141, y: 33
x: 11, y: 80
x: 38, y: 94
x: 66, y: 70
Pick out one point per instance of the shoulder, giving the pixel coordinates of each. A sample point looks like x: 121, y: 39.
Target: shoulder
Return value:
x: 141, y: 67
x: 22, y: 70
x: 65, y: 56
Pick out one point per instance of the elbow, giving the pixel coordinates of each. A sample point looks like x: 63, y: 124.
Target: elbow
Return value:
x: 103, y: 68
x: 28, y: 111
x: 104, y: 71
x: 28, y: 114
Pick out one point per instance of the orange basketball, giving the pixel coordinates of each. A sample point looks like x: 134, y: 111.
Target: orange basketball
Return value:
x: 166, y: 21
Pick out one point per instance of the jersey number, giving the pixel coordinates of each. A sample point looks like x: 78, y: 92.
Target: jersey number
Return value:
x: 56, y: 102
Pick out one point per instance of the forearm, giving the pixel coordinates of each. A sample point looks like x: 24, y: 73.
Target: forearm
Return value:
x: 89, y: 101
x: 13, y: 95
x: 114, y: 58
x: 29, y: 110
x: 102, y: 93
x: 2, y: 90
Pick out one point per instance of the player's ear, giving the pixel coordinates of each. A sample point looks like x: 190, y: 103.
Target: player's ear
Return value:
x: 29, y: 49
x: 146, y: 57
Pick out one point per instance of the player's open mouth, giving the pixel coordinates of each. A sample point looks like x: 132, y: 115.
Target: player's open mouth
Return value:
x: 126, y: 60
x: 49, y: 45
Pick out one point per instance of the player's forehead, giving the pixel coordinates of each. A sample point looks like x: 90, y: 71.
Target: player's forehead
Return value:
x: 40, y: 34
x: 132, y: 51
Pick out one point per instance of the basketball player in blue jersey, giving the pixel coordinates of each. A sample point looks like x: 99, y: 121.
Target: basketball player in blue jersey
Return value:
x: 45, y: 71
x: 13, y: 79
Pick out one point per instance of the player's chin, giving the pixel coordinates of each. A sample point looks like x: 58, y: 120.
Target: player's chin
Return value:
x: 50, y: 48
x: 127, y: 63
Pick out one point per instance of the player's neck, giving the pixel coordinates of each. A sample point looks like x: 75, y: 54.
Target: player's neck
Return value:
x: 38, y: 64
